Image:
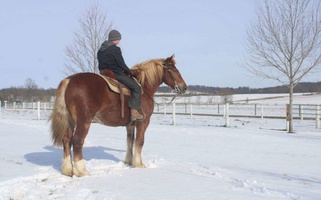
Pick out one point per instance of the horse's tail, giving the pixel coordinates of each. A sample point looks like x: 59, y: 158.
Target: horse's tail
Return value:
x: 60, y: 117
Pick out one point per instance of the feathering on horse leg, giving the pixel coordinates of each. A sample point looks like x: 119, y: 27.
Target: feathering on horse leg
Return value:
x: 137, y: 160
x: 130, y: 143
x: 66, y: 166
x: 78, y: 140
x: 139, y: 143
x: 80, y: 169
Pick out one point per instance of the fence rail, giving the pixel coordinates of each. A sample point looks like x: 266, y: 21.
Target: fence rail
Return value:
x: 276, y: 111
x: 269, y: 111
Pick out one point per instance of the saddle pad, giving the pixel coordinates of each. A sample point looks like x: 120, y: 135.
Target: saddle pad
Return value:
x: 113, y: 85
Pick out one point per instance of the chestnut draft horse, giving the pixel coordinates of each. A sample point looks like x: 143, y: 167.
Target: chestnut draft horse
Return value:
x: 83, y: 97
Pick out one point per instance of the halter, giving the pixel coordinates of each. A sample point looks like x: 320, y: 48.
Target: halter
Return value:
x: 165, y: 66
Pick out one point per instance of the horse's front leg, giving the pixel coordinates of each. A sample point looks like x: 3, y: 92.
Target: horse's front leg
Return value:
x: 130, y: 142
x: 139, y: 143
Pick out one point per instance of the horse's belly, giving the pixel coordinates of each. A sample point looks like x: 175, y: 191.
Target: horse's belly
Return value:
x: 112, y: 120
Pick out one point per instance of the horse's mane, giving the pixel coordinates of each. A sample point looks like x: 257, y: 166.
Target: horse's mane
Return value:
x: 149, y: 72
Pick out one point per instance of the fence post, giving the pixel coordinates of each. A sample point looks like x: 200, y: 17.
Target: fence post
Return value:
x: 191, y: 110
x: 174, y: 114
x: 255, y: 109
x: 317, y: 116
x: 14, y: 105
x: 218, y: 108
x: 226, y: 114
x: 165, y: 109
x: 262, y: 111
x: 5, y: 105
x: 38, y: 110
x: 23, y: 105
x: 300, y: 112
x: 224, y: 110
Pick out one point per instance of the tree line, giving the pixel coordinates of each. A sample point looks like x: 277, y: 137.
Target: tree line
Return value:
x: 304, y: 87
x: 30, y: 92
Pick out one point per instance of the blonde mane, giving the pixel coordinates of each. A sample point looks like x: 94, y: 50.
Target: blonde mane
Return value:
x: 149, y: 72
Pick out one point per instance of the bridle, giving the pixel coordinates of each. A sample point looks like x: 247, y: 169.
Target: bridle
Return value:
x: 169, y: 70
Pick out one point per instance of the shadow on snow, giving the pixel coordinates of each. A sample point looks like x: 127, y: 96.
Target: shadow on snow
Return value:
x: 54, y: 156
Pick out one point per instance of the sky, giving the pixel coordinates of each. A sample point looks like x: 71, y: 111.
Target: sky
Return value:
x: 206, y: 36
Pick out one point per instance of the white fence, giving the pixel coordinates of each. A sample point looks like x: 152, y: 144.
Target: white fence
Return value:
x: 273, y: 111
x: 37, y: 107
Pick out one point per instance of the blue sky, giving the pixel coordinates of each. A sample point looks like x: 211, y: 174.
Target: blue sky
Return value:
x: 207, y: 37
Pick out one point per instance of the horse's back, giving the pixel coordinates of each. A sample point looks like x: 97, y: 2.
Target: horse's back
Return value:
x: 89, y: 83
x: 85, y: 78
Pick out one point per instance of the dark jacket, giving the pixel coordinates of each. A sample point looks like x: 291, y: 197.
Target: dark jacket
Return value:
x: 110, y: 57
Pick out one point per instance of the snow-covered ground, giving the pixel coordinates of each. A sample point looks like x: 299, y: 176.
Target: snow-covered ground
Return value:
x: 196, y: 159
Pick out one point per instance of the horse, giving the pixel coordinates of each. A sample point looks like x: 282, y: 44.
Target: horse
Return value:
x: 84, y: 97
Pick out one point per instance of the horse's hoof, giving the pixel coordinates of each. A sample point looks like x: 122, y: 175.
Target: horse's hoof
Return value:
x: 80, y: 174
x: 79, y: 169
x: 68, y: 173
x: 141, y: 165
x: 130, y: 163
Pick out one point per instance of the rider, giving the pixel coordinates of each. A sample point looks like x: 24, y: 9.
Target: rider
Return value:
x: 110, y: 57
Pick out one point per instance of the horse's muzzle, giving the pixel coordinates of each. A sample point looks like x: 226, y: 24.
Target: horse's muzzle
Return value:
x: 180, y: 89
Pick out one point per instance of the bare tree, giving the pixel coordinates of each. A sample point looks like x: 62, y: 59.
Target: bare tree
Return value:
x: 31, y: 89
x: 226, y: 95
x: 284, y: 43
x: 82, y: 53
x: 30, y: 84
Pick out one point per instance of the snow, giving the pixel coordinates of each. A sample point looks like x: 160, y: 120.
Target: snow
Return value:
x: 196, y: 159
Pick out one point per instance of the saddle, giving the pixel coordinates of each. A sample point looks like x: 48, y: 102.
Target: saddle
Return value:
x: 116, y: 87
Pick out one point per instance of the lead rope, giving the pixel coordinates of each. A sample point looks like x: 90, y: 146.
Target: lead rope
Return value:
x: 160, y: 103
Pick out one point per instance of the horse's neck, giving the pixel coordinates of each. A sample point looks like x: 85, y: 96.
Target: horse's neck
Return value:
x: 151, y: 90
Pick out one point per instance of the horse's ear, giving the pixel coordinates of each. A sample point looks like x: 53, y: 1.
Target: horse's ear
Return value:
x: 170, y: 58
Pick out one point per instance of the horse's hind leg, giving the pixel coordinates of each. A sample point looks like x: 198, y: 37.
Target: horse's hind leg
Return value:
x: 66, y: 166
x: 130, y: 144
x: 78, y: 140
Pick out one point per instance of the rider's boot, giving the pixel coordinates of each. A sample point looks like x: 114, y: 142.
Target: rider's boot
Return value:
x: 135, y: 115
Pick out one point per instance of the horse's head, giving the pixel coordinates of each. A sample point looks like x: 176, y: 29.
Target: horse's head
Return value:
x: 172, y: 77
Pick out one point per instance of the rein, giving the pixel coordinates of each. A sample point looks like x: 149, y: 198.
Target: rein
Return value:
x: 160, y: 103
